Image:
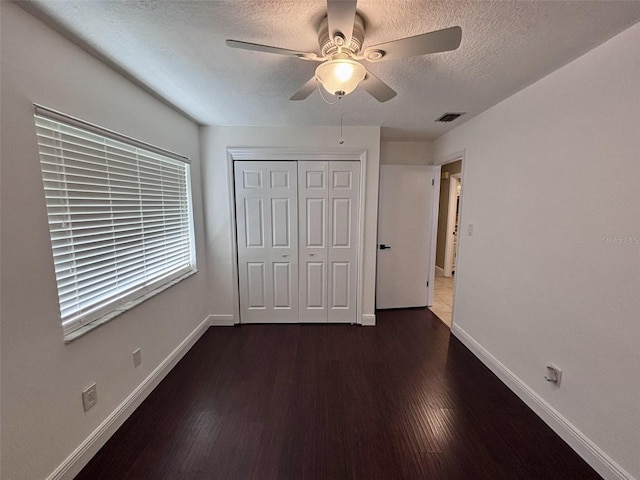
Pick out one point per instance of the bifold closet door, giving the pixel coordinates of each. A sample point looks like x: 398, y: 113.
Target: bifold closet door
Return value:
x: 344, y: 211
x: 313, y: 200
x: 329, y: 208
x: 267, y: 219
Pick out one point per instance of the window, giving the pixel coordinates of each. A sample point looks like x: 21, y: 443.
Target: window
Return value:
x: 119, y: 217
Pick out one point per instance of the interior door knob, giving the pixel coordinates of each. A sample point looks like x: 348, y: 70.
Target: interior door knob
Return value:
x: 384, y: 247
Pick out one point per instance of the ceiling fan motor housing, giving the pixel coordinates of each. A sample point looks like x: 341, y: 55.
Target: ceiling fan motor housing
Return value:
x: 328, y: 47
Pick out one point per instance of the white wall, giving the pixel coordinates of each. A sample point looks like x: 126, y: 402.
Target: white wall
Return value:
x: 552, y: 179
x: 42, y: 417
x: 214, y: 144
x: 405, y: 153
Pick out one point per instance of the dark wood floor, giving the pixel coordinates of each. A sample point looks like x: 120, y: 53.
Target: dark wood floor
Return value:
x: 403, y: 400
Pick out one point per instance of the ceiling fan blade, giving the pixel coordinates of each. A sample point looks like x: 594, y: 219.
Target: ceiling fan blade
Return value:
x: 341, y: 14
x: 306, y: 90
x: 432, y: 42
x: 256, y: 47
x: 377, y: 88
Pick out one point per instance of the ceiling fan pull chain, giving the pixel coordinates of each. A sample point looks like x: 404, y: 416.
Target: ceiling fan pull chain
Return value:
x: 322, y: 95
x: 341, y: 140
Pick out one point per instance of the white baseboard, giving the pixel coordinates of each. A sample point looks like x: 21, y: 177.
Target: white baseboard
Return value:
x: 222, y: 320
x: 439, y: 270
x: 368, y: 320
x: 90, y: 446
x: 577, y: 440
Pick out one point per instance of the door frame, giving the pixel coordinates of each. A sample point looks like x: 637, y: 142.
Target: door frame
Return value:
x: 451, y: 223
x: 294, y: 154
x: 435, y: 206
x: 454, y: 157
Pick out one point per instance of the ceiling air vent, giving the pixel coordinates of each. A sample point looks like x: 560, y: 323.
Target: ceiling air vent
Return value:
x: 449, y: 117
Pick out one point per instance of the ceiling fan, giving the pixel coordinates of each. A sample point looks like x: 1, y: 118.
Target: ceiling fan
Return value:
x: 341, y: 37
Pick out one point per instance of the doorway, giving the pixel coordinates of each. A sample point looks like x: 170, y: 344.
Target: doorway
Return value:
x: 447, y: 240
x: 453, y: 215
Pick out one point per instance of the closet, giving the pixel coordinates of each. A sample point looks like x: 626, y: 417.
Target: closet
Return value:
x: 297, y: 235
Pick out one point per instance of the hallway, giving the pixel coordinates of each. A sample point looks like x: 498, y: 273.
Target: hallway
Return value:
x: 443, y: 297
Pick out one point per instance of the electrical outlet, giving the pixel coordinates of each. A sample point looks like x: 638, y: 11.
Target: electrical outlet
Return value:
x: 554, y: 375
x: 137, y: 357
x: 89, y: 397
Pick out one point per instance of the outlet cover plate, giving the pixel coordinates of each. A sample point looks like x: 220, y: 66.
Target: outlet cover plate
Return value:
x: 554, y: 374
x: 89, y: 397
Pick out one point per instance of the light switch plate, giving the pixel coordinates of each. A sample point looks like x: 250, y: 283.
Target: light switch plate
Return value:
x: 137, y: 357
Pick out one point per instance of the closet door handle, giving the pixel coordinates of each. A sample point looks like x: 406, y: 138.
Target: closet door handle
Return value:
x: 285, y: 256
x: 312, y: 254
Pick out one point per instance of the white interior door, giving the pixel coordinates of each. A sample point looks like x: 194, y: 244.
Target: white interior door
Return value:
x: 329, y: 208
x: 405, y: 225
x: 266, y: 219
x: 313, y: 197
x: 344, y: 211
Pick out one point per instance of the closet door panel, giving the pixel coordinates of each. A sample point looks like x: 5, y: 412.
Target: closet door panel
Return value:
x: 256, y: 283
x: 315, y: 285
x: 341, y: 227
x: 282, y: 287
x: 266, y: 218
x: 313, y: 201
x: 344, y: 201
x: 340, y: 285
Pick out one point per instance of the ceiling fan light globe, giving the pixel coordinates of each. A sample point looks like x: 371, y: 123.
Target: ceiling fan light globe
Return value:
x: 343, y: 71
x: 340, y: 76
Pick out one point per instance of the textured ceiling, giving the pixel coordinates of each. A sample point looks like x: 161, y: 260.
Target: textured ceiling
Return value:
x: 176, y: 50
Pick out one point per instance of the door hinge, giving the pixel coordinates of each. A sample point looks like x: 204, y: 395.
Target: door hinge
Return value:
x: 433, y: 182
x: 427, y: 283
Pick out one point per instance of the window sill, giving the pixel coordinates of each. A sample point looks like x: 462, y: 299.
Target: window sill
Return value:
x: 82, y: 331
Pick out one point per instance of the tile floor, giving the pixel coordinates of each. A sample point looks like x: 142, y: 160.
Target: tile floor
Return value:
x: 443, y: 298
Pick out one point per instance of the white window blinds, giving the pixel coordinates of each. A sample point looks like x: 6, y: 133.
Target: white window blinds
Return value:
x: 119, y: 217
